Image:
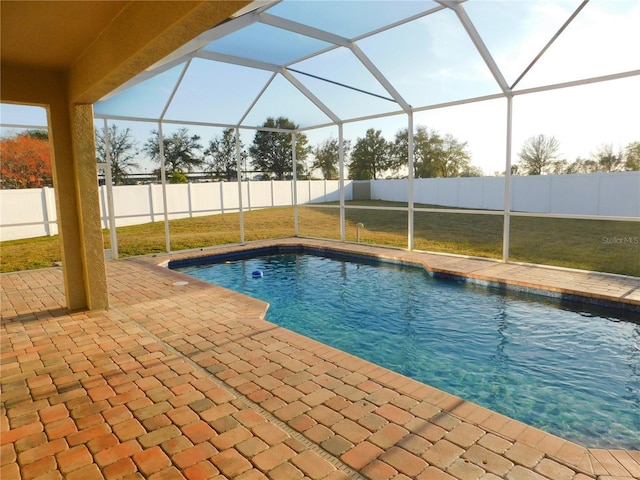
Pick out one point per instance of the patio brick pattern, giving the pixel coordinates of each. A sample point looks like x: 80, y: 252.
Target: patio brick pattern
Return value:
x: 189, y: 381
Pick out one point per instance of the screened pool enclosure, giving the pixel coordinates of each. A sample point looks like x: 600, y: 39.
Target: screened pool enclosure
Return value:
x: 491, y: 72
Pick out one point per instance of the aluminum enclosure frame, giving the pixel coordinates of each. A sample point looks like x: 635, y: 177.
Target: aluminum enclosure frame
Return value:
x: 195, y: 50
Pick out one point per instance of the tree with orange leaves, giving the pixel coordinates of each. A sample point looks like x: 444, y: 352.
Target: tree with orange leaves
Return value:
x: 25, y: 161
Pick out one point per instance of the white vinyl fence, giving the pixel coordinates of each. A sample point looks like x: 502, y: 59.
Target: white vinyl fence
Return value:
x: 615, y: 194
x: 32, y: 213
x: 27, y: 213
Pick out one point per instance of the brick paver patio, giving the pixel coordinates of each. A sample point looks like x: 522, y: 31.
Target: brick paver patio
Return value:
x: 187, y: 380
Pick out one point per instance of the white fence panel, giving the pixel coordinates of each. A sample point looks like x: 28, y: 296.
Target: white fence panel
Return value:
x: 607, y: 194
x: 314, y: 192
x: 391, y: 190
x: 34, y: 205
x: 229, y: 196
x: 156, y: 202
x: 619, y: 194
x: 531, y: 194
x: 425, y: 191
x: 470, y: 193
x: 576, y: 194
x: 177, y: 200
x: 261, y: 194
x: 303, y: 192
x: 332, y: 191
x: 282, y: 193
x: 131, y: 205
x: 317, y: 191
x: 448, y: 191
x: 493, y: 193
x: 348, y: 191
x: 205, y: 199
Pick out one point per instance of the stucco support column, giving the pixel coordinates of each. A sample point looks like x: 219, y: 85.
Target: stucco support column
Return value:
x: 77, y: 201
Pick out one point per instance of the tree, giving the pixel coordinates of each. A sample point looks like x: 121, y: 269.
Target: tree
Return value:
x: 273, y: 152
x: 427, y: 146
x: 220, y: 156
x: 632, y: 156
x: 434, y: 155
x: 427, y: 151
x: 472, y: 171
x: 178, y: 177
x: 327, y: 156
x: 455, y: 158
x: 39, y: 134
x: 182, y: 152
x: 607, y: 160
x: 581, y: 165
x: 122, y: 152
x: 371, y: 156
x: 538, y: 155
x: 26, y: 161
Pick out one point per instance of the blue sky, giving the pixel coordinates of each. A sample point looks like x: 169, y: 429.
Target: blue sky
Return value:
x: 429, y: 61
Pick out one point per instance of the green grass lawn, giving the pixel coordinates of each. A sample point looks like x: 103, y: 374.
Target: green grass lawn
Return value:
x: 597, y: 245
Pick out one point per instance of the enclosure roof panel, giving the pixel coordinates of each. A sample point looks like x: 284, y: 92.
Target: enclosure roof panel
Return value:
x: 146, y: 99
x: 525, y: 29
x: 224, y: 92
x: 282, y: 99
x: 351, y: 18
x: 324, y: 61
x: 443, y: 65
x: 581, y: 52
x: 265, y: 43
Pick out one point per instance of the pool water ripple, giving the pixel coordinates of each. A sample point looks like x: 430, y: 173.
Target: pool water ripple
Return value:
x: 575, y: 374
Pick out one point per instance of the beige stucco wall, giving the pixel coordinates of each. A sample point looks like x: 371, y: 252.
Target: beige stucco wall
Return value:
x: 74, y: 179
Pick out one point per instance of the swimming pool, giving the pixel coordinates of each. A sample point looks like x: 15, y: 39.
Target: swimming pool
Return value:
x: 575, y: 374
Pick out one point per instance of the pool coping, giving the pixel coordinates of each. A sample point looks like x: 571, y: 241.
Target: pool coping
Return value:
x: 595, y: 288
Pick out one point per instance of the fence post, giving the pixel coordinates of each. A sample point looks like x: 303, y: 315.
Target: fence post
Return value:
x: 221, y: 191
x: 45, y: 212
x: 483, y: 186
x: 151, y: 203
x: 103, y: 204
x: 272, y: 195
x: 189, y: 200
x: 599, y: 203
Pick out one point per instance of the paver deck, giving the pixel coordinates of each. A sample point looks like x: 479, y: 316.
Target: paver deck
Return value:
x: 182, y: 379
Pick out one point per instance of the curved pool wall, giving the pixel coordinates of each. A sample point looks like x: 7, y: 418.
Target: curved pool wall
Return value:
x: 575, y: 299
x: 561, y: 413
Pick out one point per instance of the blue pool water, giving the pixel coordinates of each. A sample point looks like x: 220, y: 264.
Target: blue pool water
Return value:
x: 575, y: 374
